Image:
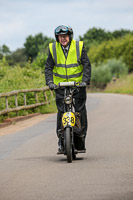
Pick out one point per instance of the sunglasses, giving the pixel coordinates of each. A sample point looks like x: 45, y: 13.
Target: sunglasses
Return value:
x: 61, y: 29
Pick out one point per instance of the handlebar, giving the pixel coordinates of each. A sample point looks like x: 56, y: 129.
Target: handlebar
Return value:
x: 68, y: 84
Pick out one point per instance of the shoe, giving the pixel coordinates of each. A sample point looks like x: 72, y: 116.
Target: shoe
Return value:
x: 60, y: 147
x: 60, y: 150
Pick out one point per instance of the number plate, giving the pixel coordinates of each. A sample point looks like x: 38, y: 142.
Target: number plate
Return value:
x: 68, y: 119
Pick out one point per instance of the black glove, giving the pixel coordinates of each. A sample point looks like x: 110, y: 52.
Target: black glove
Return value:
x: 82, y: 84
x: 52, y: 86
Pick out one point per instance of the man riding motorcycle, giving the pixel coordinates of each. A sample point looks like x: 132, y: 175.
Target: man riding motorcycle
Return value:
x: 68, y: 61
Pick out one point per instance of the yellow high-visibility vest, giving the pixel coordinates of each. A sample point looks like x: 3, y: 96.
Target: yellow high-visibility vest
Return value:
x: 70, y: 69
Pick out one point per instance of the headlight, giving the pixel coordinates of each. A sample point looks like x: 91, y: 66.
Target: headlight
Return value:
x: 68, y: 100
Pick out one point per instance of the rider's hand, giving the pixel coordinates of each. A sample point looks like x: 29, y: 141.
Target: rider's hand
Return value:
x: 83, y: 84
x: 52, y: 86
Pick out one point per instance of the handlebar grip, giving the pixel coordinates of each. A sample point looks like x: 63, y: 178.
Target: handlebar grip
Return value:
x: 67, y: 84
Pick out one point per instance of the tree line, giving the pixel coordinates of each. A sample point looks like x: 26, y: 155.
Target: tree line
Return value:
x: 110, y: 53
x: 37, y: 46
x: 32, y: 46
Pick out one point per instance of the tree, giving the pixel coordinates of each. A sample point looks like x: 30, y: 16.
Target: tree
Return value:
x: 1, y: 56
x: 5, y: 50
x: 128, y: 52
x: 121, y: 33
x: 116, y: 48
x: 33, y: 43
x: 17, y: 56
x: 41, y: 57
x: 95, y: 36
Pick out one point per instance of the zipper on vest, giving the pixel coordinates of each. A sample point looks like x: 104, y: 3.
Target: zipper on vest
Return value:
x: 66, y: 69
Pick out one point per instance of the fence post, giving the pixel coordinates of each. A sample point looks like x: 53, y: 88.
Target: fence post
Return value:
x: 45, y: 96
x: 36, y: 97
x: 16, y: 100
x: 51, y: 93
x: 16, y: 103
x: 6, y: 102
x: 25, y: 99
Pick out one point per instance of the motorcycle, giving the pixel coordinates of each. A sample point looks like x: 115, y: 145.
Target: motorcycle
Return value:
x: 70, y: 122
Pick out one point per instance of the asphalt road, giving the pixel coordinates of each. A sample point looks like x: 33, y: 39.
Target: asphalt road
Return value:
x: 31, y: 170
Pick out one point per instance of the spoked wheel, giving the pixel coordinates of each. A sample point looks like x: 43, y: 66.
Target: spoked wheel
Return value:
x: 68, y: 144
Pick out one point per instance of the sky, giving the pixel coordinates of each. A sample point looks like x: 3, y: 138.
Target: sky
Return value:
x: 21, y: 18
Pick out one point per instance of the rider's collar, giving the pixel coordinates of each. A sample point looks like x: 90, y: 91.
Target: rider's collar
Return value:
x: 66, y: 48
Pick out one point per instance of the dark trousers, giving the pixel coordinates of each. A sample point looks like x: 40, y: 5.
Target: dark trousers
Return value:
x: 80, y: 106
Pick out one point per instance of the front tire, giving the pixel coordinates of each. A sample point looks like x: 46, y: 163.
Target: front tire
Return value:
x: 73, y: 154
x: 68, y: 144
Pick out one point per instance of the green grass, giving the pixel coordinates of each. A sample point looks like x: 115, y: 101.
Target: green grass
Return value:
x: 123, y: 85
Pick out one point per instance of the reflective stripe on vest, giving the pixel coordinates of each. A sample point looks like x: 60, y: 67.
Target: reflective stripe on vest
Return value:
x: 69, y: 76
x: 69, y: 69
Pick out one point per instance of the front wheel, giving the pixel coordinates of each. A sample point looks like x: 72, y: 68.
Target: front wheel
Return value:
x: 68, y: 144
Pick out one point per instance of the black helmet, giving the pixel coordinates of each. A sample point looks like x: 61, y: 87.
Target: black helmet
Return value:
x: 62, y: 29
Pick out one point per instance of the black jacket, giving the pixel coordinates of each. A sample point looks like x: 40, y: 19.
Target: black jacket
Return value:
x: 84, y: 61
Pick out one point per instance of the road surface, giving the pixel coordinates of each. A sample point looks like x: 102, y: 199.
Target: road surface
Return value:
x: 31, y: 170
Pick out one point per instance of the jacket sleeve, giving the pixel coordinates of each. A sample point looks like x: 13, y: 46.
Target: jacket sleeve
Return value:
x: 86, y: 67
x: 49, y: 68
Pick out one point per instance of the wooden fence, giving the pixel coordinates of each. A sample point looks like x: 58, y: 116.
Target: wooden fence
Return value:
x: 25, y: 106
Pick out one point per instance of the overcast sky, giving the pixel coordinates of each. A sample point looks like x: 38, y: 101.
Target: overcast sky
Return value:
x: 21, y: 18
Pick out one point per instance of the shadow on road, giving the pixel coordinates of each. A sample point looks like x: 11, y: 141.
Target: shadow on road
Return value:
x: 55, y: 159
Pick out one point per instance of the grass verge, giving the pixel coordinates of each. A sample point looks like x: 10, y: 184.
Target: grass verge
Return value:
x: 124, y: 85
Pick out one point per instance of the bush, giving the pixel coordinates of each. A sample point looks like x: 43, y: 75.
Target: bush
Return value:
x: 17, y: 78
x: 116, y: 48
x: 117, y: 67
x: 103, y: 73
x: 40, y: 60
x: 100, y: 76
